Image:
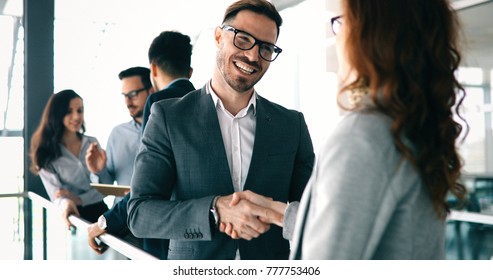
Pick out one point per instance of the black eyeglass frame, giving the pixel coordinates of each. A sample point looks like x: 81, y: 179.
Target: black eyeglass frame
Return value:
x: 134, y: 93
x: 336, y: 20
x: 276, y: 50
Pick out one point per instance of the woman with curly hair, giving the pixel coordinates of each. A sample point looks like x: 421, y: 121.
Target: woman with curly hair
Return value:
x: 58, y: 151
x: 379, y: 187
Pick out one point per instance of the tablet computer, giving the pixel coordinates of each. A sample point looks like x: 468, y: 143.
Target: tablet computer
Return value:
x: 107, y: 189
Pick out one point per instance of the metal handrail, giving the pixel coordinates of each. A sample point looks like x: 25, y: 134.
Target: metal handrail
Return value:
x: 466, y: 4
x: 471, y: 217
x: 114, y: 242
x: 135, y: 253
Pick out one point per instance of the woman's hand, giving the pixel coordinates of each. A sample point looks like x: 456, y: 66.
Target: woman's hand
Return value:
x: 69, y: 208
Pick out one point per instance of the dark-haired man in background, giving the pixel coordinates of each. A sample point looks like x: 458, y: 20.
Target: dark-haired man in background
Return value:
x: 170, y: 59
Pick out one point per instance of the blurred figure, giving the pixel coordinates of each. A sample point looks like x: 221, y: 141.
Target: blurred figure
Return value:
x: 117, y: 162
x: 170, y: 56
x: 58, y: 150
x: 124, y: 139
x: 379, y: 187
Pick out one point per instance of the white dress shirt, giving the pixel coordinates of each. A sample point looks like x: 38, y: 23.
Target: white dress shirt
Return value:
x: 238, y: 134
x: 70, y: 172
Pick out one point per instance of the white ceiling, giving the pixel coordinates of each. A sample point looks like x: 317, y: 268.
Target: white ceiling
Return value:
x: 478, y: 33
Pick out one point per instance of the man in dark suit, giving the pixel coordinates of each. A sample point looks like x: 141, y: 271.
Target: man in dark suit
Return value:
x: 170, y: 58
x: 198, y: 150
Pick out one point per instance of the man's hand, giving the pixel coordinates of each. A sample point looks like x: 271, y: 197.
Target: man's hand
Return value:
x: 273, y: 211
x: 278, y: 207
x: 95, y: 158
x: 69, y: 208
x: 245, y: 218
x: 93, y: 231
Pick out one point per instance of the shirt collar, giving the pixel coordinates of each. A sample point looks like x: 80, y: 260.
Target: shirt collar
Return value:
x: 217, y: 101
x: 176, y: 80
x: 135, y: 124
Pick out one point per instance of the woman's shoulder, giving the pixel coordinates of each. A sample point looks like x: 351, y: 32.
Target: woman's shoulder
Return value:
x: 366, y: 123
x: 89, y: 138
x: 362, y: 132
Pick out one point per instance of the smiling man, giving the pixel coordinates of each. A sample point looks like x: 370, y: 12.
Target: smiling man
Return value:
x: 198, y: 150
x: 124, y: 139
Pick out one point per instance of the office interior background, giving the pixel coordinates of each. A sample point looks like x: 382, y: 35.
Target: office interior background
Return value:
x: 91, y: 41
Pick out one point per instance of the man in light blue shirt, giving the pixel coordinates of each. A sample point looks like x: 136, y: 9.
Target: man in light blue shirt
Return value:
x: 122, y: 147
x: 124, y: 139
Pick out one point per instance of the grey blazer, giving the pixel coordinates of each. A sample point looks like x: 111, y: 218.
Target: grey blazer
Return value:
x: 364, y: 201
x: 182, y: 166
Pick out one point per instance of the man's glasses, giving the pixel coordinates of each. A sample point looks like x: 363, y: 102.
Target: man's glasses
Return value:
x: 336, y: 24
x: 134, y: 93
x: 245, y: 41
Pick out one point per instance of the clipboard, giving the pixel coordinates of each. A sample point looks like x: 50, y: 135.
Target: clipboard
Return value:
x: 107, y: 189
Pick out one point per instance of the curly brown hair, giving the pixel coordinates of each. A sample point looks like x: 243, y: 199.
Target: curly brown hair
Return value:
x: 406, y: 53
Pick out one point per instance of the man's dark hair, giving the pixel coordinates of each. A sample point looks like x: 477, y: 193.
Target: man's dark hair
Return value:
x: 143, y: 72
x: 171, y: 51
x: 262, y: 7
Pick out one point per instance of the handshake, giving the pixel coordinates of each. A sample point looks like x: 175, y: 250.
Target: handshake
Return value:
x: 247, y: 215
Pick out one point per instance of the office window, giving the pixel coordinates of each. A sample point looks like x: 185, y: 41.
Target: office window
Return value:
x: 11, y: 102
x: 11, y: 125
x: 477, y: 112
x: 473, y: 148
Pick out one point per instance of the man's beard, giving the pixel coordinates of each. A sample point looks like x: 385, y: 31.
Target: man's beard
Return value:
x: 138, y: 114
x: 239, y: 84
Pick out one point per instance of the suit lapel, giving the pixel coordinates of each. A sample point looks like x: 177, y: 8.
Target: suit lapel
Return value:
x: 262, y: 143
x: 210, y: 134
x: 207, y: 119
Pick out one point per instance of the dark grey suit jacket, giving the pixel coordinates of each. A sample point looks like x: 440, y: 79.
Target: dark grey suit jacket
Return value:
x: 182, y: 166
x: 176, y: 89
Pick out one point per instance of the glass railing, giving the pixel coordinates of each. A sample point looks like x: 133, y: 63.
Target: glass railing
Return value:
x: 49, y: 238
x: 470, y: 225
x: 469, y: 234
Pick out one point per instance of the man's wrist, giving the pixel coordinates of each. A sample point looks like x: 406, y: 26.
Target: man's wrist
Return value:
x: 213, y: 211
x: 102, y: 223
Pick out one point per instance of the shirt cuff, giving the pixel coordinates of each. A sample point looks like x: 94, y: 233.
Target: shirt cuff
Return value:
x: 289, y: 221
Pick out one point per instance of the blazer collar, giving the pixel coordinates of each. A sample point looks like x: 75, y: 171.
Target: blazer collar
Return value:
x: 177, y: 82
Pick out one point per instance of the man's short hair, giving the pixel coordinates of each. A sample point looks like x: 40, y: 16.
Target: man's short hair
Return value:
x: 171, y: 51
x: 143, y: 72
x: 262, y: 7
